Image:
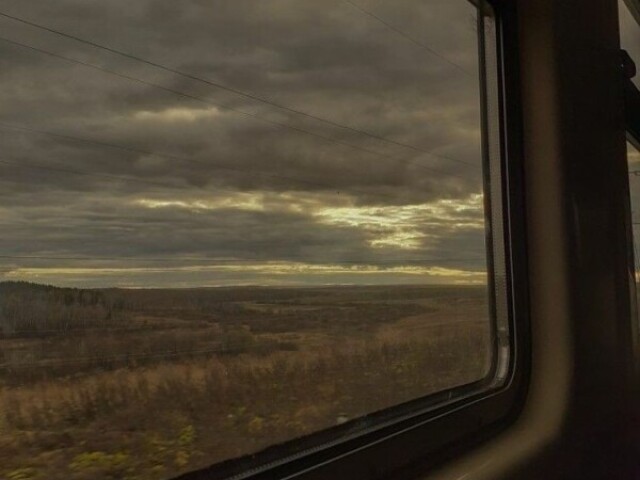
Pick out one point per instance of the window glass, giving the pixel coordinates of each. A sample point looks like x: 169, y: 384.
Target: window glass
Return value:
x: 630, y: 41
x: 633, y: 159
x: 630, y: 33
x: 226, y: 225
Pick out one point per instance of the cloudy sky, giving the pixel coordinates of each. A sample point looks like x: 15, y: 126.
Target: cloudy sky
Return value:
x: 170, y: 181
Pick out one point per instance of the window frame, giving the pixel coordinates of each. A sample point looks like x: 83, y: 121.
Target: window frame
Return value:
x: 632, y: 126
x: 632, y: 112
x: 446, y: 424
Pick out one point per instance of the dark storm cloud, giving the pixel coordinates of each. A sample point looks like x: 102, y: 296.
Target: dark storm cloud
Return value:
x: 126, y: 226
x: 324, y: 58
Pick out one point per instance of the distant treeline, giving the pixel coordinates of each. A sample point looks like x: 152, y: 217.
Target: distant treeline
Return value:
x: 29, y: 308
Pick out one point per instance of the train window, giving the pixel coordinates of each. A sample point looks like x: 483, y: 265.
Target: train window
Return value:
x: 630, y: 30
x: 630, y: 42
x: 633, y: 160
x: 240, y: 230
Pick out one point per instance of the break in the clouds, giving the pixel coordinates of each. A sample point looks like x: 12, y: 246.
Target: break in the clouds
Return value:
x: 190, y: 184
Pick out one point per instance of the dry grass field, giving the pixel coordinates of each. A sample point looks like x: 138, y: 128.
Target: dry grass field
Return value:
x: 146, y: 384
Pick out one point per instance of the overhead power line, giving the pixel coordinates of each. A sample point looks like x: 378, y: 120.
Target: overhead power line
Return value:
x: 160, y: 155
x: 226, y: 87
x: 409, y: 161
x: 129, y: 179
x: 152, y: 183
x: 407, y: 36
x: 191, y: 97
x: 128, y: 148
x: 87, y: 174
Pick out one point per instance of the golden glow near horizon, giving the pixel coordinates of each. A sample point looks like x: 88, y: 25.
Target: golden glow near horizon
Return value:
x: 387, y: 228
x: 449, y: 275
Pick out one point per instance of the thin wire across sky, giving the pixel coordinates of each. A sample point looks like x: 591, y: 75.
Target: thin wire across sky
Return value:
x: 410, y: 160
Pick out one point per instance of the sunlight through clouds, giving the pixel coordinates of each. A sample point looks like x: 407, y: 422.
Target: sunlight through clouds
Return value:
x: 407, y: 226
x: 346, y: 147
x: 239, y: 201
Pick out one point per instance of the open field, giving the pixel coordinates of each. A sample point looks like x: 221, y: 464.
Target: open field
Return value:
x: 145, y: 384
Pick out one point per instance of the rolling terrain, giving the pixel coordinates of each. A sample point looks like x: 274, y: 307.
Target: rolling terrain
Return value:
x: 147, y: 383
